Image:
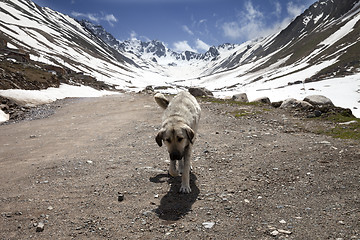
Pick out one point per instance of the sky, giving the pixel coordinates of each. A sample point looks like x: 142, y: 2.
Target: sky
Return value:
x: 193, y: 25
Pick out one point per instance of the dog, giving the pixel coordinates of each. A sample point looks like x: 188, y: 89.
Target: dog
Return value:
x: 179, y: 126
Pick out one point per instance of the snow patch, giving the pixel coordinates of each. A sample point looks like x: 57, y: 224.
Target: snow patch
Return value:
x: 37, y: 97
x: 343, y: 92
x: 317, y: 18
x: 307, y: 19
x: 342, y: 32
x: 3, y: 116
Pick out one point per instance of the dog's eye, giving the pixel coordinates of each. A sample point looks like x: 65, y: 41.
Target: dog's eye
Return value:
x: 180, y: 139
x: 168, y: 140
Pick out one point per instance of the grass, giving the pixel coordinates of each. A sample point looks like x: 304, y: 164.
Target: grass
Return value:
x: 229, y: 101
x: 342, y: 131
x: 242, y: 112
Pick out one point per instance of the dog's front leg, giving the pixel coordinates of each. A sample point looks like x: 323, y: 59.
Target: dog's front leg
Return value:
x: 172, y: 170
x: 185, y: 177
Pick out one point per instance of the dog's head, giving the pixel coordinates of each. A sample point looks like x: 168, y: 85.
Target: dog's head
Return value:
x: 176, y: 139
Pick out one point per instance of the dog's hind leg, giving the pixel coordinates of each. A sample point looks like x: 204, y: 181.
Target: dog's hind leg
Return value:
x: 185, y: 177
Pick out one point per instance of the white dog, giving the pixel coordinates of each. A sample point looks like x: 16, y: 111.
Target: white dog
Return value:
x: 179, y: 125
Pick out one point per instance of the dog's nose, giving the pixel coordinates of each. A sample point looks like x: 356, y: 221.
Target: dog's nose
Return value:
x: 175, y: 155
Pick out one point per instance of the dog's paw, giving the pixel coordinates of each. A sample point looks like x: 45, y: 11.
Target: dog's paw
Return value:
x: 185, y: 189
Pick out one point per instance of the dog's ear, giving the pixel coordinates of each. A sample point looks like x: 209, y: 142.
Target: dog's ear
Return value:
x: 159, y: 137
x: 189, y: 133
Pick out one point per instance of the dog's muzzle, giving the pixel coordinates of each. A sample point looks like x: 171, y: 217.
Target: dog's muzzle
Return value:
x: 175, y: 155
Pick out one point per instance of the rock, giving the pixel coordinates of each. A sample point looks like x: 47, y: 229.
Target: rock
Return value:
x: 200, y: 92
x: 120, y: 197
x: 293, y: 103
x: 241, y: 97
x: 276, y: 104
x: 274, y: 233
x: 317, y: 113
x: 317, y: 100
x: 40, y: 227
x: 148, y: 89
x: 208, y: 225
x: 147, y: 213
x: 284, y: 231
x: 348, y: 123
x: 265, y: 100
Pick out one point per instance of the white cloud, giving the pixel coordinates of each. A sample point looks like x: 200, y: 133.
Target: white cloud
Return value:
x: 182, y: 46
x: 277, y: 9
x: 202, y: 21
x: 294, y: 10
x: 251, y: 13
x: 187, y: 30
x: 201, y: 46
x: 89, y: 16
x: 110, y: 18
x: 133, y: 35
x: 252, y: 23
x: 232, y: 30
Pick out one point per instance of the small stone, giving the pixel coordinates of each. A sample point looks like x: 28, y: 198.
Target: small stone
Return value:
x: 246, y: 201
x: 341, y: 222
x: 274, y: 233
x: 282, y: 221
x: 208, y: 225
x: 147, y: 213
x: 50, y: 208
x: 40, y: 227
x: 32, y: 136
x: 284, y: 231
x: 317, y: 113
x: 89, y: 161
x: 120, y: 197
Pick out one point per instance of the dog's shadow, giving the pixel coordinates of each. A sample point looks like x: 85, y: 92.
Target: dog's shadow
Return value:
x: 175, y: 205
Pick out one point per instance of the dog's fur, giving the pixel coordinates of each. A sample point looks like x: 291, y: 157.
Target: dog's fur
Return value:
x: 179, y: 125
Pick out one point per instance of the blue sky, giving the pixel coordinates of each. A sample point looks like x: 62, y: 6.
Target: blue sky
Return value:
x: 185, y: 24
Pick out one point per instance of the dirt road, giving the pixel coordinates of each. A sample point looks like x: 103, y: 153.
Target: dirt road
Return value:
x: 94, y: 171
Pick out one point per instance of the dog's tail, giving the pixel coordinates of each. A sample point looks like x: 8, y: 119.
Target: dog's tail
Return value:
x: 161, y: 100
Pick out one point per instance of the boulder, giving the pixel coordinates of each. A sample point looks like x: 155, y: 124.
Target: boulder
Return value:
x: 263, y: 100
x: 294, y: 103
x: 241, y: 97
x: 200, y: 92
x: 276, y: 104
x: 148, y: 90
x: 317, y: 100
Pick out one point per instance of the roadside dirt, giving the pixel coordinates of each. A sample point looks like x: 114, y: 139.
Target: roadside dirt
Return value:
x: 94, y: 171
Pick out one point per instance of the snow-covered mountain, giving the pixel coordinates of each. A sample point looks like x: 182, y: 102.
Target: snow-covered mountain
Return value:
x: 54, y: 38
x: 318, y: 50
x: 154, y: 50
